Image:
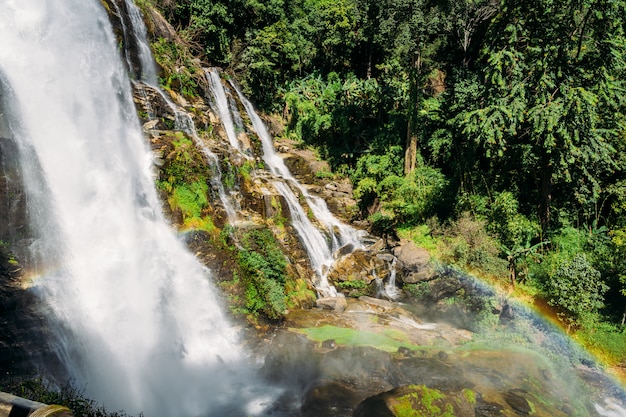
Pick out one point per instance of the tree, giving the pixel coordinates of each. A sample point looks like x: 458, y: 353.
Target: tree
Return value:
x: 468, y: 17
x: 412, y: 32
x: 553, y: 104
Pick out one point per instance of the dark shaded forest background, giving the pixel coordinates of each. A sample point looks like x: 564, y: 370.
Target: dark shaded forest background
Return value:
x: 490, y: 132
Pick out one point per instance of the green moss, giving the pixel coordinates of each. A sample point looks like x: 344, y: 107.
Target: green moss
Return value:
x: 349, y: 285
x: 185, y: 178
x: 469, y: 395
x: 423, y: 402
x: 389, y: 342
x: 179, y: 70
x: 298, y: 293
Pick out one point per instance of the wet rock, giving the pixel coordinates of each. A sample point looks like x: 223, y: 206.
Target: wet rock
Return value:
x: 418, y: 400
x: 332, y: 303
x: 384, y: 304
x: 329, y: 398
x: 329, y: 344
x: 506, y: 315
x: 487, y: 409
x: 517, y: 402
x: 344, y: 250
x: 405, y: 351
x: 358, y: 265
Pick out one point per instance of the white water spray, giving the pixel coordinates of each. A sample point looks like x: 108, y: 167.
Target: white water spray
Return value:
x: 139, y: 324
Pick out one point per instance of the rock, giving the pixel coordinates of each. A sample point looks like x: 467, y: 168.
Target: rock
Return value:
x: 413, y: 263
x: 332, y: 303
x: 158, y: 27
x: 329, y: 398
x: 518, y: 402
x: 384, y: 304
x: 377, y: 246
x: 486, y: 409
x: 344, y: 187
x: 405, y: 351
x: 357, y: 265
x: 387, y: 257
x: 443, y: 356
x: 506, y: 315
x: 329, y: 344
x: 344, y: 250
x: 150, y: 125
x: 418, y: 400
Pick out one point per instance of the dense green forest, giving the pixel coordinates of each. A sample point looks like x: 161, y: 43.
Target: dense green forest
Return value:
x: 491, y: 132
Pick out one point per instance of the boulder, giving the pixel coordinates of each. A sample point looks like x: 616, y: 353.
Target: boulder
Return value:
x: 358, y: 265
x: 384, y: 304
x: 332, y: 303
x: 413, y: 264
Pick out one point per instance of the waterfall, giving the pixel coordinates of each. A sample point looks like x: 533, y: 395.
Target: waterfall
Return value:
x: 148, y: 68
x: 390, y: 288
x: 182, y: 121
x: 222, y: 106
x: 133, y: 315
x: 319, y: 245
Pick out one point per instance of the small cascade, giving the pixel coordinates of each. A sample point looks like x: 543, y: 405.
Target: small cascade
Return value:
x: 391, y: 290
x: 319, y: 245
x: 140, y: 64
x: 148, y: 68
x: 184, y: 123
x: 182, y: 120
x: 222, y: 106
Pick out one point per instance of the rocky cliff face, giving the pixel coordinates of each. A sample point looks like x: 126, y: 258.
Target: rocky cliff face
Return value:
x: 22, y: 327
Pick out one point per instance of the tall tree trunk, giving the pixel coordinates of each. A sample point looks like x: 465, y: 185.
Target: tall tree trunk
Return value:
x: 412, y: 140
x: 410, y: 153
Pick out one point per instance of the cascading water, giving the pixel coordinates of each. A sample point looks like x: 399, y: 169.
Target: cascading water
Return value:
x: 223, y: 109
x: 148, y: 69
x: 134, y: 315
x: 136, y: 31
x: 319, y: 246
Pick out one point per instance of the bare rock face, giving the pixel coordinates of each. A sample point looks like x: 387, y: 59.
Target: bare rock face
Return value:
x: 358, y: 265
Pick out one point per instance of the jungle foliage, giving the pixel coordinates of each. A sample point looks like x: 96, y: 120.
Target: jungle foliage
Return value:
x: 500, y: 117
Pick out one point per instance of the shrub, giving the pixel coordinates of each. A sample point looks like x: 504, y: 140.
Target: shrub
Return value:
x: 185, y: 178
x: 576, y: 287
x: 467, y: 244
